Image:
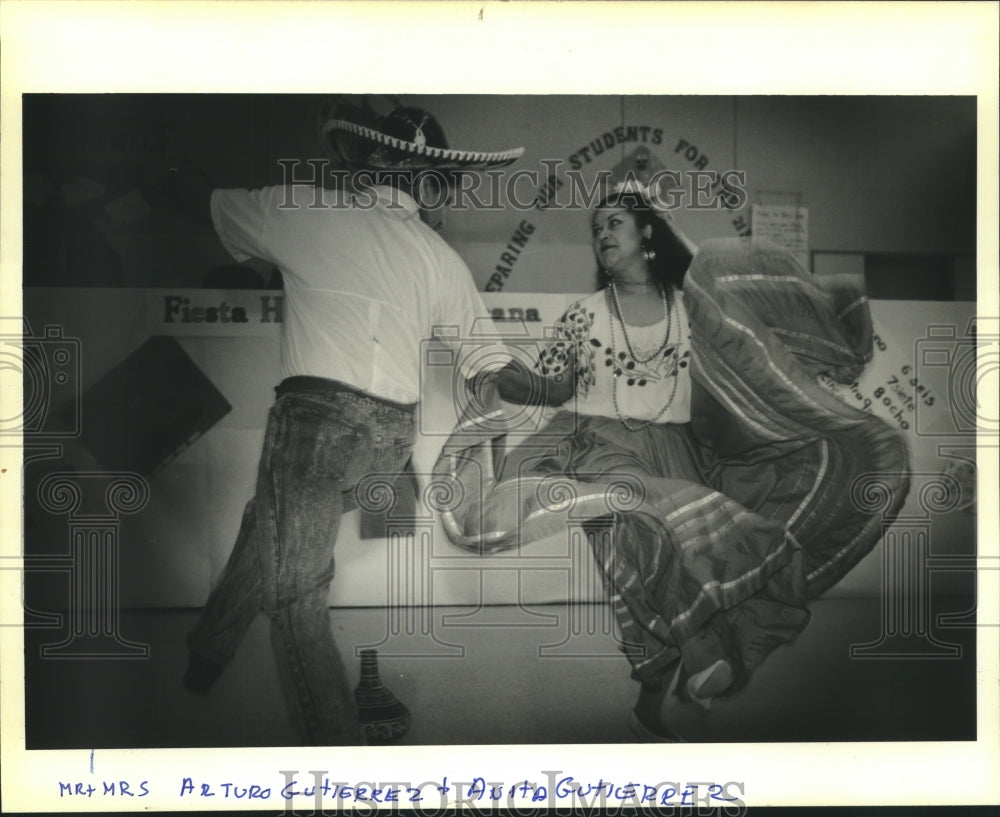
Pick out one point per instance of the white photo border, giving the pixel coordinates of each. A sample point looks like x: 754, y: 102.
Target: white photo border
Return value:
x: 494, y: 47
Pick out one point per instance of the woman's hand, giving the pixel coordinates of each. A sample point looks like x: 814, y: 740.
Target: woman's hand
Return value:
x: 516, y: 383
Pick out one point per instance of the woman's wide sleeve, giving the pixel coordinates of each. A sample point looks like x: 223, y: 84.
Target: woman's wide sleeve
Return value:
x: 571, y: 333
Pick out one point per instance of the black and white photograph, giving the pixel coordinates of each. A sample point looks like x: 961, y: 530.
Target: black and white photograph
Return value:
x: 610, y: 443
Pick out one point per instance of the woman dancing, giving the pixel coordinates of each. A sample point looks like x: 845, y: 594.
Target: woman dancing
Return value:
x: 716, y: 472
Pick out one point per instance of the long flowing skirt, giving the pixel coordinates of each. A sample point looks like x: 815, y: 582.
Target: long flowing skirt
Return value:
x: 721, y: 531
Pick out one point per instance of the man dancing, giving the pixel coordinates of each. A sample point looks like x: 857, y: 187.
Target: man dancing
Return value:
x: 365, y: 281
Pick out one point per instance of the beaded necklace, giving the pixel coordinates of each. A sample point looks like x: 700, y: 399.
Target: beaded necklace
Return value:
x: 669, y: 306
x: 667, y: 302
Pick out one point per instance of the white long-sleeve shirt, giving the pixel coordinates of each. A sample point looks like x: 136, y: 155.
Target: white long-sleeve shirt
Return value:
x: 366, y: 282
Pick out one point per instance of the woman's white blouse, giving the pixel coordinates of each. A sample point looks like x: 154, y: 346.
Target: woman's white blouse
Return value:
x: 605, y: 370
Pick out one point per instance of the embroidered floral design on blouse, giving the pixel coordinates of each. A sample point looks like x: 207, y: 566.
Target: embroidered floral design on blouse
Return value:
x: 572, y: 329
x: 667, y: 364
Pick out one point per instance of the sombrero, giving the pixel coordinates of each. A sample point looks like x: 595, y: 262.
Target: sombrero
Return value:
x: 407, y: 138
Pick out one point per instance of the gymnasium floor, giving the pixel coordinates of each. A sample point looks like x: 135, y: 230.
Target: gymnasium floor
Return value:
x: 494, y: 676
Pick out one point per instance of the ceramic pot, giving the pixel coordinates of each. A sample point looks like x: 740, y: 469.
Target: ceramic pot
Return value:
x: 384, y: 718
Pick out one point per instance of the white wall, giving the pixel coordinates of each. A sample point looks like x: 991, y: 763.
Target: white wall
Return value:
x: 176, y: 547
x: 878, y: 174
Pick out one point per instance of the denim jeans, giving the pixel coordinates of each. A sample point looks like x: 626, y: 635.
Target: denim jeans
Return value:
x: 321, y: 440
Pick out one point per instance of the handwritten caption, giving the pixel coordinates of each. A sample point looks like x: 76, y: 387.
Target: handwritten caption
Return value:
x: 318, y: 786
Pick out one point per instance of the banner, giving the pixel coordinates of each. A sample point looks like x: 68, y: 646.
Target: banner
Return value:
x: 174, y: 548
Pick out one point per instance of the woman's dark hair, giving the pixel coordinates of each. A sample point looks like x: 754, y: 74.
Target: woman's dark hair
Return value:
x: 672, y: 257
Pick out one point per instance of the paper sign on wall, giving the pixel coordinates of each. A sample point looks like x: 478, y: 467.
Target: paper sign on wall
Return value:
x: 785, y: 226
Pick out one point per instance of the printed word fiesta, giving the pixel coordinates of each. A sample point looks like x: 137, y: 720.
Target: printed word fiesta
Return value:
x: 180, y: 309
